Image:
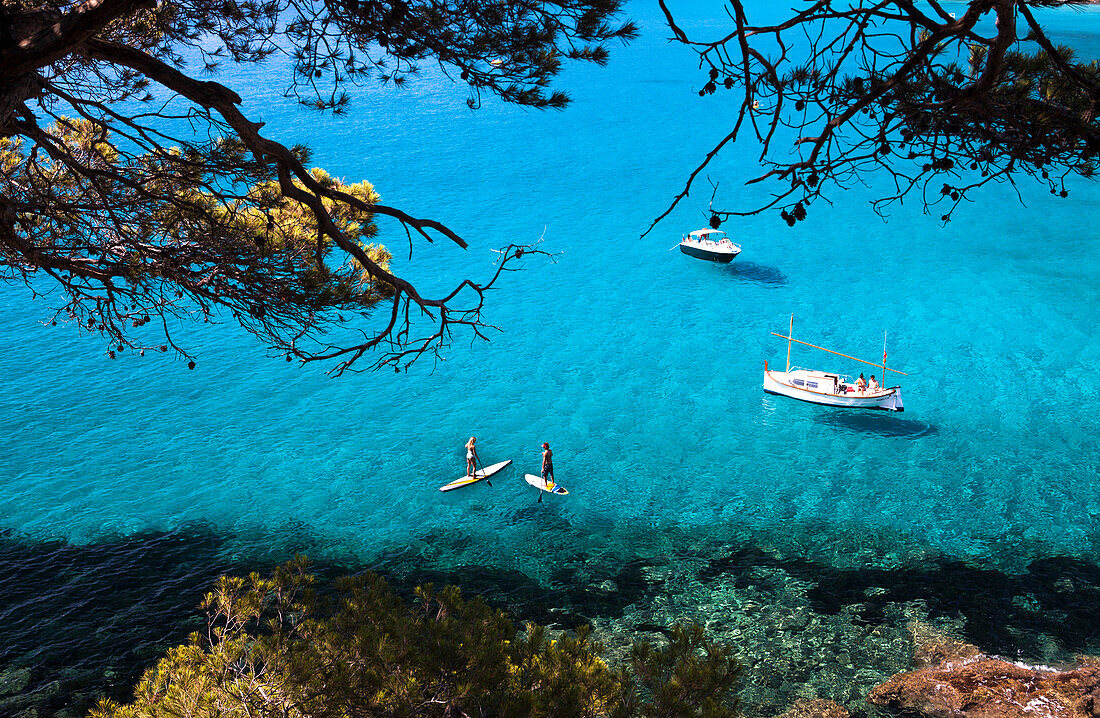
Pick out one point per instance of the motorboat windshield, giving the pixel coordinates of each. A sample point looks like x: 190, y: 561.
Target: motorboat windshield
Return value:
x: 713, y: 235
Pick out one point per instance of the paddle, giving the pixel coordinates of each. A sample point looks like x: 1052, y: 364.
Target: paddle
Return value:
x: 483, y: 471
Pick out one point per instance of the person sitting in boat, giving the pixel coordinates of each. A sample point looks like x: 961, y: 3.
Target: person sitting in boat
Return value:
x: 861, y: 384
x: 872, y: 385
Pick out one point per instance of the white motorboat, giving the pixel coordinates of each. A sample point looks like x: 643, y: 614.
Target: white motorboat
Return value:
x: 831, y: 389
x: 712, y: 244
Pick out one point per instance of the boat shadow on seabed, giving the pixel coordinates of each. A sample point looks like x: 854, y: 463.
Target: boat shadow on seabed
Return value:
x: 878, y: 422
x: 760, y: 273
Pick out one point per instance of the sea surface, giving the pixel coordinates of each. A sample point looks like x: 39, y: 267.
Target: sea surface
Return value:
x: 809, y: 538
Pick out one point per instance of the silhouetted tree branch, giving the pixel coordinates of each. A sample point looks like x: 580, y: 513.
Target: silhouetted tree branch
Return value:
x: 942, y: 103
x: 185, y: 209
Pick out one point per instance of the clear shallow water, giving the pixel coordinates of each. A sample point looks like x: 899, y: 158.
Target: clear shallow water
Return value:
x: 642, y: 368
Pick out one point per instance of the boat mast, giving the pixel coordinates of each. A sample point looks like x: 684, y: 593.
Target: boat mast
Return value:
x: 884, y: 359
x: 846, y: 356
x: 790, y: 334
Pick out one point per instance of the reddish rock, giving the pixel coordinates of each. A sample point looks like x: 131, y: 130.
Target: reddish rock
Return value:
x: 988, y: 687
x: 817, y: 708
x: 956, y: 680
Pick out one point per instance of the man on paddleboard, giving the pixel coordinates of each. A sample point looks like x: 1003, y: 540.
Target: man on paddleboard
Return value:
x: 547, y: 466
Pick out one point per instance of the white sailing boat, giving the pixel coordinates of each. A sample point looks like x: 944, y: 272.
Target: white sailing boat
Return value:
x: 832, y: 389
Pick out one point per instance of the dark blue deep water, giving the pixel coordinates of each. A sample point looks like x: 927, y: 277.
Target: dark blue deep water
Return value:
x: 809, y: 538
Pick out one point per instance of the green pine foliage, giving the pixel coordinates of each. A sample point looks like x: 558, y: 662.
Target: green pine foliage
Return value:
x: 278, y: 646
x: 691, y: 676
x: 135, y: 190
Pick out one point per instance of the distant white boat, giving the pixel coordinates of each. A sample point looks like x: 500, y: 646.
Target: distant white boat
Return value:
x: 831, y: 389
x: 711, y: 244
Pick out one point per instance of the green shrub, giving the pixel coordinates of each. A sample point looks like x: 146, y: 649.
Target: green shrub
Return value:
x: 275, y: 646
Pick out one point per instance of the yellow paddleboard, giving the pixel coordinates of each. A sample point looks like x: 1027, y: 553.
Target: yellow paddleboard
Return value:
x: 482, y: 473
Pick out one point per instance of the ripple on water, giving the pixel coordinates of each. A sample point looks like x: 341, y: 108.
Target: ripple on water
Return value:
x: 641, y: 367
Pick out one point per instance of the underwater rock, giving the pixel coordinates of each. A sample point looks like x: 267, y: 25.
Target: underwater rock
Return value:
x: 656, y: 574
x: 16, y: 704
x: 14, y: 680
x: 816, y: 708
x: 992, y: 688
x: 1063, y: 585
x: 933, y: 647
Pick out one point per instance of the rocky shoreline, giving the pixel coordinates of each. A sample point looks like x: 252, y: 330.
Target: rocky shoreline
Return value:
x: 825, y: 627
x: 954, y: 679
x: 818, y: 631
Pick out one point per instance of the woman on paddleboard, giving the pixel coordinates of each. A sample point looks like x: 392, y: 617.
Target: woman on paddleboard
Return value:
x: 472, y: 459
x: 547, y: 465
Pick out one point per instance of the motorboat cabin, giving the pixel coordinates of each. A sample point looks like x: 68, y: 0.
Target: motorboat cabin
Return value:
x: 710, y: 244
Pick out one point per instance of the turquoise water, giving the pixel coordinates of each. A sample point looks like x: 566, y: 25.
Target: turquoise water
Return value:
x: 691, y: 492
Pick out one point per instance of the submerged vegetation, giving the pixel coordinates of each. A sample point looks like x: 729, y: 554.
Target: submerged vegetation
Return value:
x: 279, y: 645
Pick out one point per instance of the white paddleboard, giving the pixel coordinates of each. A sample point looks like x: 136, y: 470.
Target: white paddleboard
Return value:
x: 538, y: 483
x: 482, y: 473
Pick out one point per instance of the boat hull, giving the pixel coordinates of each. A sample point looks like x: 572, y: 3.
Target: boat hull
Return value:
x: 777, y: 382
x: 723, y: 257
